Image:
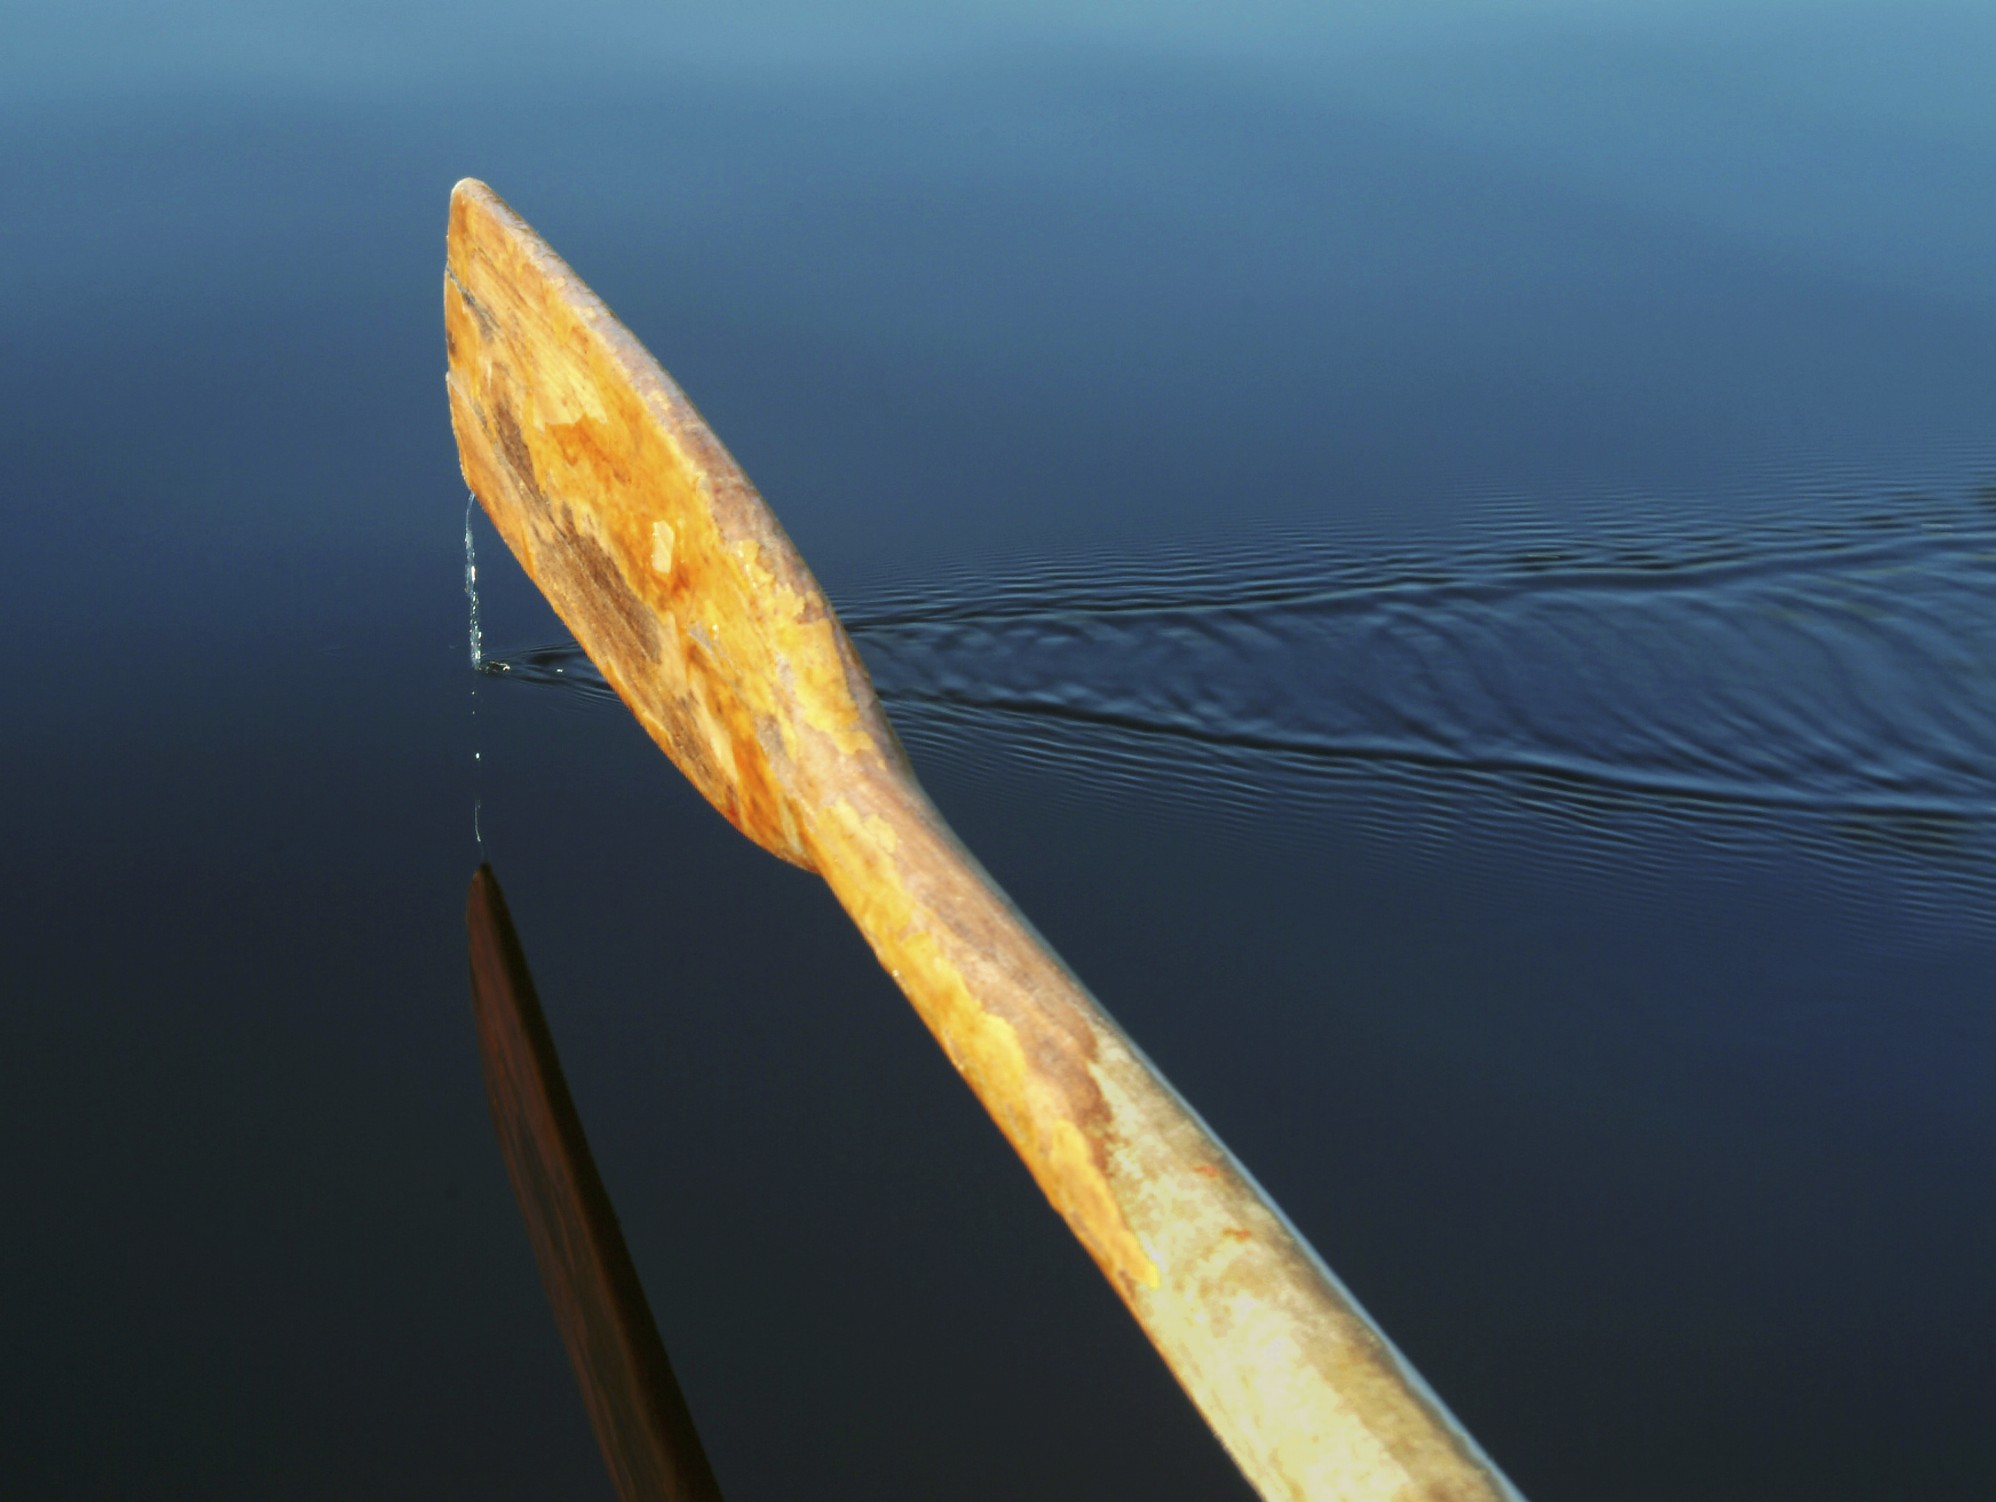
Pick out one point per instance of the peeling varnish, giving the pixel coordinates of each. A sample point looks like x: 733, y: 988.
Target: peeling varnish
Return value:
x: 1064, y: 1160
x: 869, y: 827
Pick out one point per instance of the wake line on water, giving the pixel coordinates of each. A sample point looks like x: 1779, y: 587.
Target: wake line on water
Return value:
x: 1293, y: 566
x: 1299, y: 752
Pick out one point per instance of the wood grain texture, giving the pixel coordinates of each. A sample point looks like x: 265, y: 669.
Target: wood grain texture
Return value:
x: 634, y: 1402
x: 683, y: 589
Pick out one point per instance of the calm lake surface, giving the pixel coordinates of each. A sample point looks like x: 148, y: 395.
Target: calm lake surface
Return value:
x: 1446, y: 559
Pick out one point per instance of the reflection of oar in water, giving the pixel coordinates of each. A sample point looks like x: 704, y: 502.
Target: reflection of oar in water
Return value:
x: 679, y: 583
x: 634, y: 1402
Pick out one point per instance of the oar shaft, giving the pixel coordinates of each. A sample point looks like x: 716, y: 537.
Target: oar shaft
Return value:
x: 1305, y: 1393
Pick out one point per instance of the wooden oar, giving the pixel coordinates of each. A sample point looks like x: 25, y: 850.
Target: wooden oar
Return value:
x: 635, y: 1406
x: 659, y: 555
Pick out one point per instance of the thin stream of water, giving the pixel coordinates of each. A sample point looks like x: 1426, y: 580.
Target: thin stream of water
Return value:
x: 477, y: 643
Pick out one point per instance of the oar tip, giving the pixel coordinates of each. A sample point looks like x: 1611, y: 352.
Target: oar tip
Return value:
x: 484, y: 901
x: 473, y: 206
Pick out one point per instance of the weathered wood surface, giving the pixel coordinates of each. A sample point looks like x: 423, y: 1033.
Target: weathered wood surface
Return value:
x: 634, y: 1402
x: 675, y: 578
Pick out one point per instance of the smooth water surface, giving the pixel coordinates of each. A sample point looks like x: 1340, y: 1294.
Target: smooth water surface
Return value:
x: 1445, y: 556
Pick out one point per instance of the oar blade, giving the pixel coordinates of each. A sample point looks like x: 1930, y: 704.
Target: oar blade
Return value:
x: 645, y: 535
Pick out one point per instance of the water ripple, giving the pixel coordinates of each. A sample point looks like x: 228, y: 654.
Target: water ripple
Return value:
x: 1825, y: 682
x: 1806, y: 668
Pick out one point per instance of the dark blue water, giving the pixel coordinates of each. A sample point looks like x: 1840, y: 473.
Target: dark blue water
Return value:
x: 1444, y: 557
